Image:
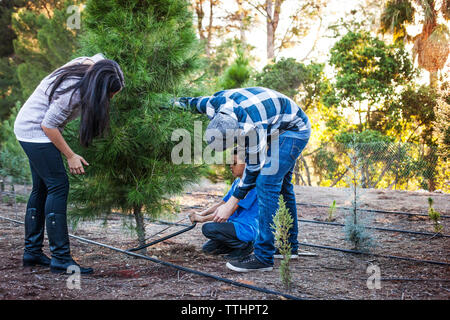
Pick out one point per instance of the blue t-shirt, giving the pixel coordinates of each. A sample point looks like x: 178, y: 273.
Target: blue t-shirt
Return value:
x: 246, y: 216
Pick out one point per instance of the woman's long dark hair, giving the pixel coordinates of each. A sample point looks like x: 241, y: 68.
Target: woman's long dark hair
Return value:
x: 96, y: 83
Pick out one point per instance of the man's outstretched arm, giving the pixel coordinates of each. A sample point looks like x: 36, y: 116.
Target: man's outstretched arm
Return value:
x: 194, y: 104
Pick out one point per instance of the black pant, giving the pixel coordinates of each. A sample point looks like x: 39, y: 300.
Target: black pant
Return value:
x: 50, y: 190
x: 224, y: 234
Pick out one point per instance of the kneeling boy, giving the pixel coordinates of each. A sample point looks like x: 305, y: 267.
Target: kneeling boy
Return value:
x: 234, y: 237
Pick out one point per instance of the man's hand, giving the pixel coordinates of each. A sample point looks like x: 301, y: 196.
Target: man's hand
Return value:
x: 181, y: 103
x: 76, y: 164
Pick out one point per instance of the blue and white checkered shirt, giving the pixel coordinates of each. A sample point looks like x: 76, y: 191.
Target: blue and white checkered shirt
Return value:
x: 258, y: 110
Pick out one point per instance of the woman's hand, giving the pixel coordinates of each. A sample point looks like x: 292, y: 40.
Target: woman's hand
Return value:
x: 76, y: 164
x: 75, y: 161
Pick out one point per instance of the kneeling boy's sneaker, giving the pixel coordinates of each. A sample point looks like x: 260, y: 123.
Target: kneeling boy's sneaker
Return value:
x: 237, y: 254
x: 249, y: 263
x: 294, y: 254
x: 215, y: 248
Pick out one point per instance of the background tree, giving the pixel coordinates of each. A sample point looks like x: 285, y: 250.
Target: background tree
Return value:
x: 367, y: 73
x: 207, y: 31
x: 7, y: 8
x: 300, y: 22
x: 416, y: 107
x: 238, y: 73
x: 131, y: 169
x: 303, y: 83
x: 431, y: 45
x: 242, y: 16
x: 44, y: 42
x: 442, y: 123
x: 9, y: 83
x: 9, y: 87
x: 13, y: 162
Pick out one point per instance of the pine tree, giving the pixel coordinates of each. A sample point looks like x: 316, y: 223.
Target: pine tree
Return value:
x: 356, y: 223
x: 13, y: 161
x: 435, y: 216
x: 282, y: 223
x: 35, y: 41
x: 238, y: 73
x: 9, y: 87
x: 131, y: 168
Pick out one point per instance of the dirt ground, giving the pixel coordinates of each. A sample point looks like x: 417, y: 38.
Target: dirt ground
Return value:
x: 329, y: 275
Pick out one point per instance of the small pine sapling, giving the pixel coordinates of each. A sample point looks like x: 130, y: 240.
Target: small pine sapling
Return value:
x: 434, y: 216
x: 331, y: 211
x: 282, y: 223
x: 355, y: 223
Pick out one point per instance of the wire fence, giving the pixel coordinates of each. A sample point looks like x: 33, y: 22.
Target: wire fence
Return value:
x: 381, y: 165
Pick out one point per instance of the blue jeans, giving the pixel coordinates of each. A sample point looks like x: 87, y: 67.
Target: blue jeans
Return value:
x: 223, y: 234
x: 269, y: 186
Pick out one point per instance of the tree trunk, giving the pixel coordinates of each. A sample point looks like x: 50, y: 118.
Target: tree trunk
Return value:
x: 296, y: 174
x: 270, y: 34
x: 433, y: 79
x: 200, y: 14
x: 272, y: 18
x: 140, y: 227
x: 339, y: 178
x: 385, y: 169
x: 308, y: 175
x: 242, y: 26
x: 431, y: 160
x: 393, y: 185
x: 201, y: 31
x: 366, y: 176
x: 270, y: 43
x: 210, y: 28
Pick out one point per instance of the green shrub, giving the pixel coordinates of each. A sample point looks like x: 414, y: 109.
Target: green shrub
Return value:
x: 282, y: 223
x: 434, y: 216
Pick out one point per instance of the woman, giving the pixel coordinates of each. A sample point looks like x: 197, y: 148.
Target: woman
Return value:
x: 84, y: 86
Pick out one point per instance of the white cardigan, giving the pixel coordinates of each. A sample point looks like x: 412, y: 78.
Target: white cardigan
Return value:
x: 37, y: 110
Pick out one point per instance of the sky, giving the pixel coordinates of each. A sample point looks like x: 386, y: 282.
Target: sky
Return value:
x: 333, y: 11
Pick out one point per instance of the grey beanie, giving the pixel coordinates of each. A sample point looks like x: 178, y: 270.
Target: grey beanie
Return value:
x: 222, y: 131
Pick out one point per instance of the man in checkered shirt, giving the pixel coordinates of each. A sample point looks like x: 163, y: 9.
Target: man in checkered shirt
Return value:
x: 274, y: 131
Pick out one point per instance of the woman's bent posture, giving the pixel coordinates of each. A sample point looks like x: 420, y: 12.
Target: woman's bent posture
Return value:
x: 84, y: 86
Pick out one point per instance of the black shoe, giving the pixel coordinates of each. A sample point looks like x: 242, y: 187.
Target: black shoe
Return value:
x: 62, y: 266
x: 249, y: 263
x: 32, y: 259
x: 58, y: 238
x: 237, y: 254
x: 215, y: 248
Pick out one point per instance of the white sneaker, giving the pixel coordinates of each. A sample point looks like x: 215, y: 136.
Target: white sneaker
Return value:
x: 277, y: 254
